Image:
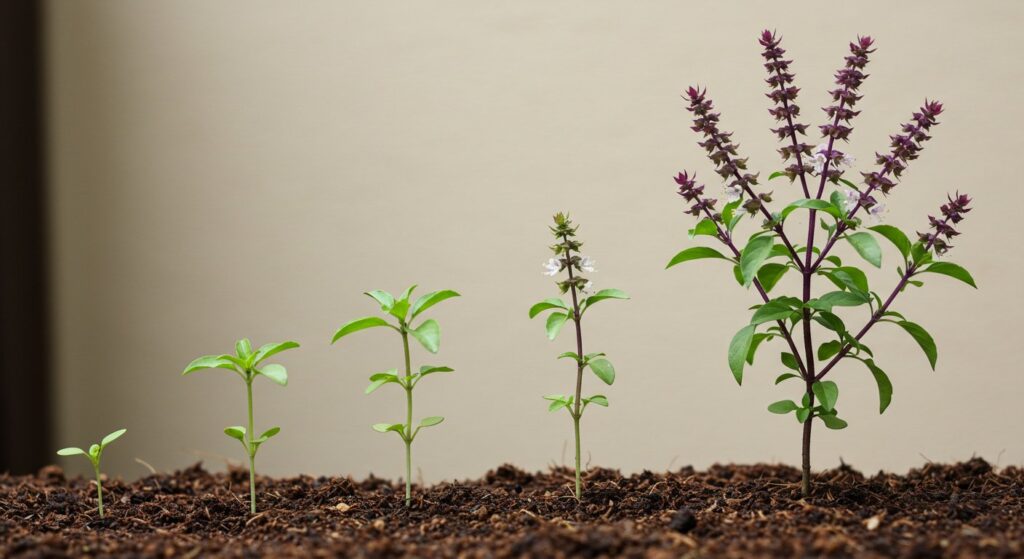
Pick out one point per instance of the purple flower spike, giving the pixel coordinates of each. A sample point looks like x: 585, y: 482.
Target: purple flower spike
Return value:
x: 783, y: 93
x: 941, y: 229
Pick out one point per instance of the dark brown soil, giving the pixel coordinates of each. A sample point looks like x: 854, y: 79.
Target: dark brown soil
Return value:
x: 963, y: 510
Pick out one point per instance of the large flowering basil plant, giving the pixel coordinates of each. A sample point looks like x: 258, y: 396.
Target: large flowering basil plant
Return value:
x: 812, y: 325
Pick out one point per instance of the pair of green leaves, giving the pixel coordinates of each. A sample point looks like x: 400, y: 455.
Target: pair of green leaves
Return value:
x: 95, y: 451
x: 408, y: 382
x: 559, y: 401
x: 238, y: 433
x: 428, y: 333
x: 563, y: 312
x: 246, y: 362
x: 400, y: 428
x: 827, y: 393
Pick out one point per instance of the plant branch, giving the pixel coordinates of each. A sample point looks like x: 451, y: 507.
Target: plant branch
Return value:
x: 576, y: 318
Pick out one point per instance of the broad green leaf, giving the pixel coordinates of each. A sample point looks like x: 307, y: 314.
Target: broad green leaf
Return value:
x: 789, y: 360
x: 380, y: 379
x: 243, y: 348
x: 771, y: 311
x: 113, y: 437
x: 729, y: 215
x: 837, y: 299
x: 952, y: 270
x: 558, y: 401
x: 802, y: 414
x: 923, y: 339
x: 274, y: 372
x: 605, y: 294
x: 385, y: 299
x: 867, y: 247
x: 236, y: 432
x: 547, y: 304
x: 704, y: 227
x: 811, y: 204
x: 918, y: 254
x: 431, y: 299
x: 753, y: 257
x: 830, y: 321
x: 385, y: 427
x: 848, y: 277
x: 695, y: 253
x: 896, y: 237
x: 266, y: 435
x: 400, y: 309
x: 266, y: 350
x: 71, y: 451
x: 770, y: 274
x: 785, y: 376
x: 429, y: 335
x: 431, y: 421
x: 738, y: 348
x: 754, y: 344
x: 209, y: 362
x: 827, y: 393
x: 603, y: 369
x: 884, y: 385
x: 357, y: 325
x: 828, y: 349
x: 783, y: 407
x: 598, y: 399
x: 833, y: 422
x: 570, y: 354
x: 431, y: 369
x: 554, y: 324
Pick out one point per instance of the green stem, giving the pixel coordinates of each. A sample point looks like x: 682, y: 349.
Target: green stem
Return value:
x: 252, y: 453
x: 408, y: 421
x: 576, y: 427
x: 99, y: 489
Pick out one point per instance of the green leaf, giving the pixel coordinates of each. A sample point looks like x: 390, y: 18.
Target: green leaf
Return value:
x: 830, y: 321
x: 431, y: 299
x: 867, y: 247
x: 243, y: 348
x: 923, y: 339
x: 952, y: 270
x: 431, y: 369
x: 94, y: 452
x: 385, y: 299
x: 209, y: 362
x: 385, y: 427
x: 783, y: 407
x: 811, y: 204
x: 776, y: 174
x: 429, y: 335
x: 359, y: 324
x: 695, y: 253
x: 554, y: 324
x: 267, y: 350
x: 603, y: 369
x: 738, y: 348
x: 399, y: 309
x: 570, y: 354
x: 833, y: 422
x: 884, y: 385
x: 274, y: 372
x: 848, y: 277
x: 113, y: 437
x: 896, y: 237
x: 789, y: 360
x: 380, y: 379
x: 754, y: 344
x: 431, y: 421
x: 704, y: 227
x: 770, y: 274
x: 828, y: 349
x: 547, y: 304
x: 785, y: 376
x: 558, y: 401
x: 771, y: 311
x: 753, y: 257
x: 598, y: 399
x: 605, y: 294
x: 827, y: 393
x: 266, y: 435
x: 837, y: 299
x: 236, y: 432
x: 727, y: 214
x: 71, y: 451
x: 802, y: 414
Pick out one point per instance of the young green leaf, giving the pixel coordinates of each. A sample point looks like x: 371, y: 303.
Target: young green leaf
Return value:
x: 71, y: 451
x: 380, y: 379
x: 569, y: 354
x: 267, y: 350
x: 431, y: 369
x: 923, y: 339
x: 558, y: 401
x: 828, y: 349
x: 753, y: 257
x: 267, y: 434
x: 833, y: 422
x: 783, y: 407
x: 704, y: 227
x: 385, y: 427
x: 399, y: 309
x: 112, y: 437
x: 429, y: 335
x: 738, y: 348
x: 359, y: 324
x: 603, y: 369
x: 811, y: 204
x: 598, y: 399
x: 209, y: 362
x: 770, y: 274
x: 547, y: 304
x: 884, y: 385
x: 695, y: 253
x: 554, y: 324
x: 431, y: 299
x: 827, y: 393
x: 837, y: 299
x: 243, y: 348
x: 867, y: 247
x: 785, y: 376
x: 385, y: 299
x: 802, y: 414
x: 952, y: 270
x: 431, y: 421
x: 274, y: 372
x: 896, y: 237
x: 605, y: 294
x: 789, y: 360
x: 236, y: 432
x: 772, y: 311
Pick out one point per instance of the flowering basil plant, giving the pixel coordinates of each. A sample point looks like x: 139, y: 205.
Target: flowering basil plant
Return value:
x: 582, y: 296
x: 810, y: 326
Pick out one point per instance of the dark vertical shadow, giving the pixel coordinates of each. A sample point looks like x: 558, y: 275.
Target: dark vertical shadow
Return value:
x: 24, y: 353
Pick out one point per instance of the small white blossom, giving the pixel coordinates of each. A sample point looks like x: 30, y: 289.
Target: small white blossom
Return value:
x: 587, y: 264
x: 851, y: 198
x: 818, y: 159
x: 589, y: 286
x: 552, y: 267
x: 876, y: 212
x: 733, y: 193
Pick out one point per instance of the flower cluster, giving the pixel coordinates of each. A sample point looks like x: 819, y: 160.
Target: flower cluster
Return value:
x: 783, y: 94
x: 722, y: 151
x: 822, y: 153
x: 694, y: 194
x: 567, y: 256
x: 943, y: 230
x: 905, y: 147
x: 845, y: 97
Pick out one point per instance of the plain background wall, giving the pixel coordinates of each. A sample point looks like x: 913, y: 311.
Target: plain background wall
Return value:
x: 226, y: 169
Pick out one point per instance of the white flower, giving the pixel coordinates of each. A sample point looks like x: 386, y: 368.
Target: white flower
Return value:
x: 733, y: 193
x: 587, y: 264
x: 818, y: 159
x: 589, y: 286
x: 552, y: 267
x: 876, y: 212
x: 851, y: 198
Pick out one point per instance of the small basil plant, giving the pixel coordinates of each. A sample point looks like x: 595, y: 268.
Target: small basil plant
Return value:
x: 404, y: 313
x: 582, y: 297
x: 94, y: 454
x: 248, y: 365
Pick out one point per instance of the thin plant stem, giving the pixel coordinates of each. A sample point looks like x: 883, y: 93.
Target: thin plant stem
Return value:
x: 408, y: 421
x: 99, y: 488
x: 576, y: 429
x: 576, y: 318
x: 252, y: 452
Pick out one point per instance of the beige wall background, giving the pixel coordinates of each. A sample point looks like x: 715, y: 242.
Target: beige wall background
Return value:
x: 227, y: 169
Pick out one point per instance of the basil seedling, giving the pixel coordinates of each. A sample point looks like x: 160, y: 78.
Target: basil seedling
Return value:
x: 94, y: 454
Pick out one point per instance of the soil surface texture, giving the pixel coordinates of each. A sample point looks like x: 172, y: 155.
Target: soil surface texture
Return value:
x: 961, y: 510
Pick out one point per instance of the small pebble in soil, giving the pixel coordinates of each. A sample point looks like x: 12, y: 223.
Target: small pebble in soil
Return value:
x: 683, y: 521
